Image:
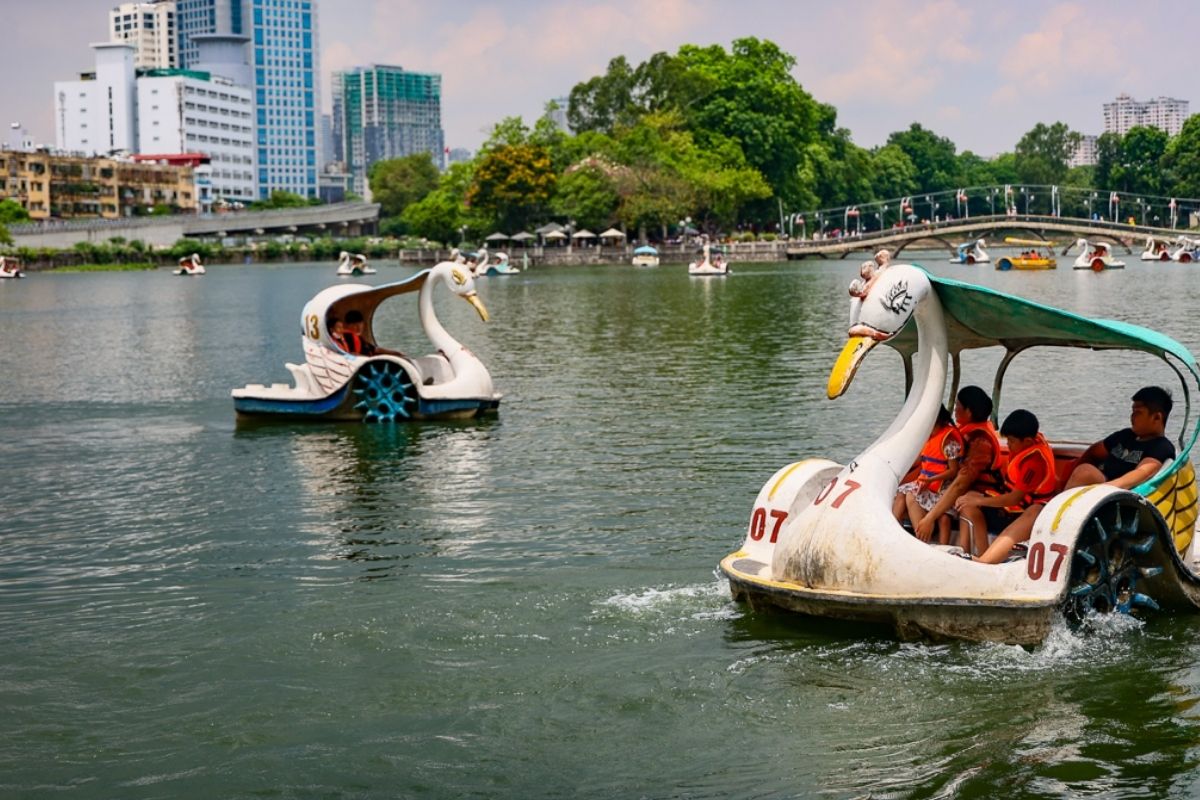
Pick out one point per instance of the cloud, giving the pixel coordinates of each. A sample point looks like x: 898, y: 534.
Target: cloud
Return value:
x: 1072, y: 43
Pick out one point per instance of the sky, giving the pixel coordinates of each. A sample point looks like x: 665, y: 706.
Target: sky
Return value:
x: 979, y: 73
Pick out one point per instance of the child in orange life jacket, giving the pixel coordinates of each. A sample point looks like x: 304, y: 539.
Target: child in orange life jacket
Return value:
x: 1030, y: 481
x: 936, y: 467
x: 981, y: 462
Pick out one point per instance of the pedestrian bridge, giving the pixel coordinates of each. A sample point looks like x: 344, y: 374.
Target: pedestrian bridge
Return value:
x: 338, y: 219
x: 1061, y: 231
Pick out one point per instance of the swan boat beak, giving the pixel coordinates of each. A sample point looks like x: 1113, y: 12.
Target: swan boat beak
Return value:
x: 474, y: 300
x: 847, y: 364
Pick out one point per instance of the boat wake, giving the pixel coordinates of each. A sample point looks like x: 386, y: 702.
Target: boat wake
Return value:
x: 699, y: 602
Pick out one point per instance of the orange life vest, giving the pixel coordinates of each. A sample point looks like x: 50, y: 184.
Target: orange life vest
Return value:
x: 993, y: 476
x: 1048, y: 486
x: 932, y: 460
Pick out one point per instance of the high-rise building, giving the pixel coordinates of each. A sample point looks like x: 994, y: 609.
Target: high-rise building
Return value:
x: 558, y: 115
x: 150, y: 28
x: 1165, y: 113
x: 1085, y: 152
x: 97, y: 114
x: 182, y: 111
x: 382, y: 112
x: 283, y: 46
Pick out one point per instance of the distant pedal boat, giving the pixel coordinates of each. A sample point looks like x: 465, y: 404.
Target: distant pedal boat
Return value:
x: 190, y: 265
x: 333, y: 384
x: 1096, y: 256
x: 353, y: 265
x: 10, y: 268
x: 711, y: 263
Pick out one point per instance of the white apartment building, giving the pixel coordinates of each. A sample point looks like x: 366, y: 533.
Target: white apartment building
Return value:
x: 1085, y: 152
x: 150, y: 28
x: 96, y: 115
x: 1165, y: 113
x: 190, y: 113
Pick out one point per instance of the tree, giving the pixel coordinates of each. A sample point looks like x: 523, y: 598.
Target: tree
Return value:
x: 398, y: 182
x: 281, y: 199
x: 1043, y: 153
x: 895, y: 175
x: 1182, y: 159
x: 442, y: 213
x: 586, y: 194
x: 1142, y: 151
x: 512, y: 184
x: 11, y: 211
x: 931, y: 155
x: 1108, y: 160
x: 5, y: 236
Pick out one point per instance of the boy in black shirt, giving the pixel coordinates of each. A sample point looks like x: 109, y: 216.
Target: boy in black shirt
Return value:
x: 1130, y: 456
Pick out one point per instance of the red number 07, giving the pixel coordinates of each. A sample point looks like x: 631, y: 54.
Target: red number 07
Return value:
x: 850, y: 487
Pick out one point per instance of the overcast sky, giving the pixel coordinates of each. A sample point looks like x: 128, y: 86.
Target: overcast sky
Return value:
x: 981, y: 73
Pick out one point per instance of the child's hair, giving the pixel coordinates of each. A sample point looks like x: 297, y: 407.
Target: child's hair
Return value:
x: 975, y: 401
x: 1021, y: 424
x: 1156, y: 399
x: 944, y: 417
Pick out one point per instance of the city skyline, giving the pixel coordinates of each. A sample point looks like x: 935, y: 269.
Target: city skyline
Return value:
x: 977, y: 75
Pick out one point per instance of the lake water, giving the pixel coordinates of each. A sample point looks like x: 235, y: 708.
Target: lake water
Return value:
x: 523, y: 607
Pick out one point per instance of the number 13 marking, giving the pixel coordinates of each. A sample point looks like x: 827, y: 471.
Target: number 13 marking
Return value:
x: 851, y: 486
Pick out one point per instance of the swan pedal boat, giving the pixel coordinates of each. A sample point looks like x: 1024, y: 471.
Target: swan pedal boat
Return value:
x: 190, y: 265
x: 1187, y: 251
x: 822, y: 540
x: 501, y: 266
x: 971, y: 253
x: 1097, y: 257
x: 1156, y: 250
x: 353, y: 265
x: 10, y: 268
x: 332, y: 384
x: 707, y: 266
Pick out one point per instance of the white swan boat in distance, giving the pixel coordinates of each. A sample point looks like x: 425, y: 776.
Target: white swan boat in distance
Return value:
x: 822, y: 540
x: 971, y: 253
x: 1096, y: 256
x: 712, y: 262
x: 334, y: 384
x: 10, y: 268
x: 190, y: 265
x: 353, y: 265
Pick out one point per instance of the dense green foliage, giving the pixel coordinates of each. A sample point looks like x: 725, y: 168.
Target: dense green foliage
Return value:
x: 11, y: 211
x: 729, y: 138
x: 399, y: 182
x: 282, y: 199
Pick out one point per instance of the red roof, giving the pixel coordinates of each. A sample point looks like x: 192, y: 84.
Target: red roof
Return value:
x: 176, y: 159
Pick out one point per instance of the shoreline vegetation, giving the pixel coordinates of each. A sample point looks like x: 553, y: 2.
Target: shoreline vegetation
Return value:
x: 119, y: 267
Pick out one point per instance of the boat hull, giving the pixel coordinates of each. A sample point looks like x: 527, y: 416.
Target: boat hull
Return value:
x: 340, y: 406
x: 926, y: 618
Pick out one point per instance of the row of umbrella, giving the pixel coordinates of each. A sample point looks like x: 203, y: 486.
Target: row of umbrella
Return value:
x: 553, y: 231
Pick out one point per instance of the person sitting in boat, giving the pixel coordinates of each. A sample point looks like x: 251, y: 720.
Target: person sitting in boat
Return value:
x: 1029, y: 483
x: 937, y: 465
x: 348, y: 334
x: 1131, y: 455
x: 883, y: 257
x: 982, y: 461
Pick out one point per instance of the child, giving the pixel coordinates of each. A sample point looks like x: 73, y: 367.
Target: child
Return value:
x: 936, y: 467
x: 1030, y: 482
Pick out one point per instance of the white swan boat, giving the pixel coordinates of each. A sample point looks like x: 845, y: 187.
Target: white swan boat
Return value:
x: 501, y: 266
x: 822, y: 540
x: 10, y: 268
x: 971, y: 253
x: 1186, y: 251
x: 1096, y: 256
x: 190, y: 265
x: 353, y: 265
x: 1156, y: 250
x: 645, y: 256
x: 710, y: 263
x: 333, y: 384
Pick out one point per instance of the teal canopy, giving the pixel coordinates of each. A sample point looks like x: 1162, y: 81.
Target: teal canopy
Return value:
x: 645, y: 250
x: 980, y: 317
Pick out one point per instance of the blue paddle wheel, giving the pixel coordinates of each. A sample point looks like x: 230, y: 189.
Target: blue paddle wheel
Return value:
x: 385, y: 392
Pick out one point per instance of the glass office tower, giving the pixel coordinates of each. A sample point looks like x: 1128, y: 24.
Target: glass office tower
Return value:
x: 283, y: 58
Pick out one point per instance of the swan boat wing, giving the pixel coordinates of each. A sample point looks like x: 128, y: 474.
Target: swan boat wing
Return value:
x: 821, y: 539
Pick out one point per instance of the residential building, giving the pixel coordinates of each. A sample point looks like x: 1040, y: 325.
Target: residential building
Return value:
x: 1085, y: 152
x: 150, y: 28
x: 558, y: 115
x: 1165, y: 113
x: 97, y: 113
x: 382, y: 112
x: 335, y: 183
x: 75, y: 186
x: 284, y: 47
x: 186, y: 112
x: 458, y: 155
x: 328, y: 156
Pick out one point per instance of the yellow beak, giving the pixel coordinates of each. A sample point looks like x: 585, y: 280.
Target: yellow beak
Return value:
x: 474, y: 300
x: 847, y: 364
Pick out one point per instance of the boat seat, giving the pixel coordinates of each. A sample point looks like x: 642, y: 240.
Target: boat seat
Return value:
x: 303, y: 377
